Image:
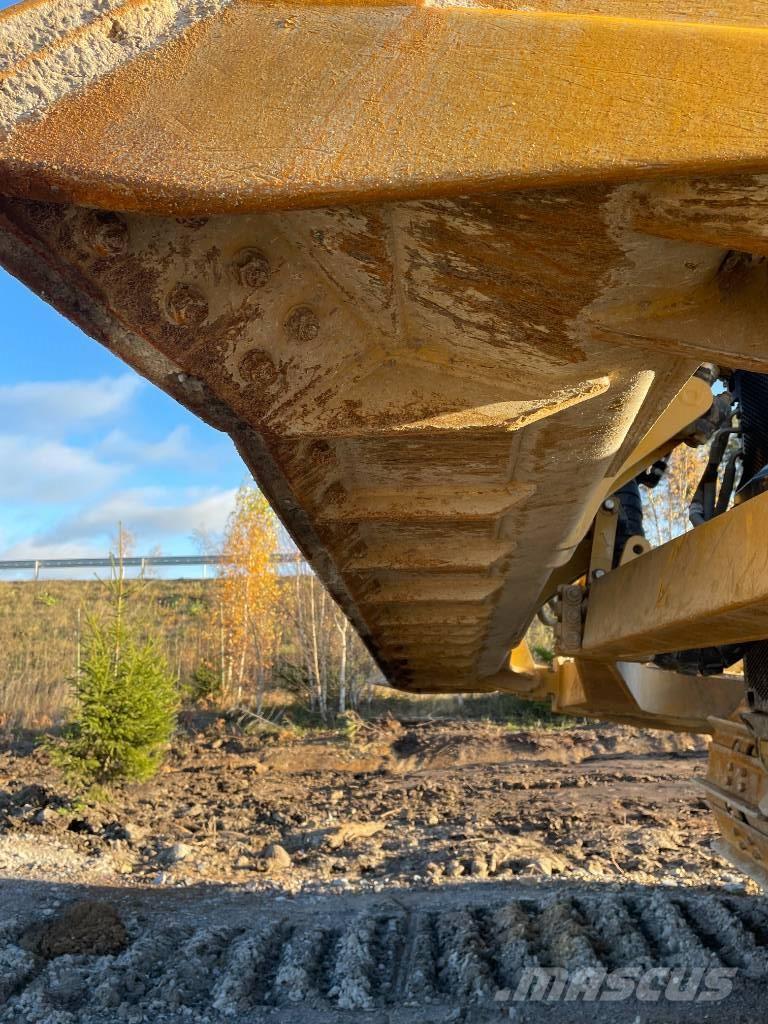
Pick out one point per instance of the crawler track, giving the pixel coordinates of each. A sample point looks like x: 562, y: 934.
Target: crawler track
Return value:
x: 400, y: 957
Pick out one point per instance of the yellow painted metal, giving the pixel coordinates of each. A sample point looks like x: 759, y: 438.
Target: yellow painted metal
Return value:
x: 418, y: 419
x: 490, y: 314
x: 708, y: 587
x: 595, y: 689
x: 628, y: 693
x: 684, y: 701
x: 604, y: 538
x: 693, y: 401
x: 635, y: 546
x: 241, y: 105
x: 648, y: 699
x: 728, y: 12
x: 521, y: 659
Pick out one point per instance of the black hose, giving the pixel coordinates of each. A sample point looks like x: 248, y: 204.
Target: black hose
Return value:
x: 547, y: 617
x: 703, y: 505
x: 630, y: 522
x: 751, y: 391
x: 726, y: 487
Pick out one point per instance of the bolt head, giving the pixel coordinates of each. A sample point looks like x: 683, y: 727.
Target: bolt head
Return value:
x: 104, y: 233
x: 598, y: 573
x: 251, y: 268
x: 609, y: 504
x: 258, y: 367
x: 302, y: 324
x: 186, y: 306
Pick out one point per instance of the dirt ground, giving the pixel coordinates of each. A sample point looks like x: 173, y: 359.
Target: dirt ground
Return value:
x: 590, y: 824
x: 399, y: 803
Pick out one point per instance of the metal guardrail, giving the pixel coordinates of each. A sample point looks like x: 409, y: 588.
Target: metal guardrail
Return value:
x: 138, y: 562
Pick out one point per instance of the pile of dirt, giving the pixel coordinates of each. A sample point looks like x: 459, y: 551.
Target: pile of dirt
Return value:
x: 84, y: 928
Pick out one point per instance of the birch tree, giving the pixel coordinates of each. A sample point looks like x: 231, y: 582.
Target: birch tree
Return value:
x: 666, y: 505
x: 250, y: 598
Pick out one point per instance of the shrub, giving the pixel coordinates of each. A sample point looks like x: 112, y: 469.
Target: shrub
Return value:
x: 204, y: 684
x: 545, y: 654
x: 126, y: 703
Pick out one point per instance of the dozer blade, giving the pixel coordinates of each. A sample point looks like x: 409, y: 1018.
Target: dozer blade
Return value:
x: 444, y: 272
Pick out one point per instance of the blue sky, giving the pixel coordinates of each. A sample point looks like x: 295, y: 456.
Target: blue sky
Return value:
x: 85, y: 442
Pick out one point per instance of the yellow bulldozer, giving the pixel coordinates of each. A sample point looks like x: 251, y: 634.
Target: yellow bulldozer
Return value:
x: 457, y: 277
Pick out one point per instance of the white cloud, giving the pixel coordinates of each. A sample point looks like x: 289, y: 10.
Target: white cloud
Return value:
x: 54, y: 407
x: 31, y: 548
x: 151, y: 514
x: 172, y: 448
x: 42, y: 472
x: 61, y: 497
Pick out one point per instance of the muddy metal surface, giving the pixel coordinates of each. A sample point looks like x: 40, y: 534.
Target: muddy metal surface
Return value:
x: 414, y: 872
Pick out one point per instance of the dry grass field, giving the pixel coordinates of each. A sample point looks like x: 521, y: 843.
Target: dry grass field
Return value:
x: 41, y: 629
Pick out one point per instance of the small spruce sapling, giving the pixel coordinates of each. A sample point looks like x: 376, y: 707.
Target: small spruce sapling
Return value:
x: 126, y: 700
